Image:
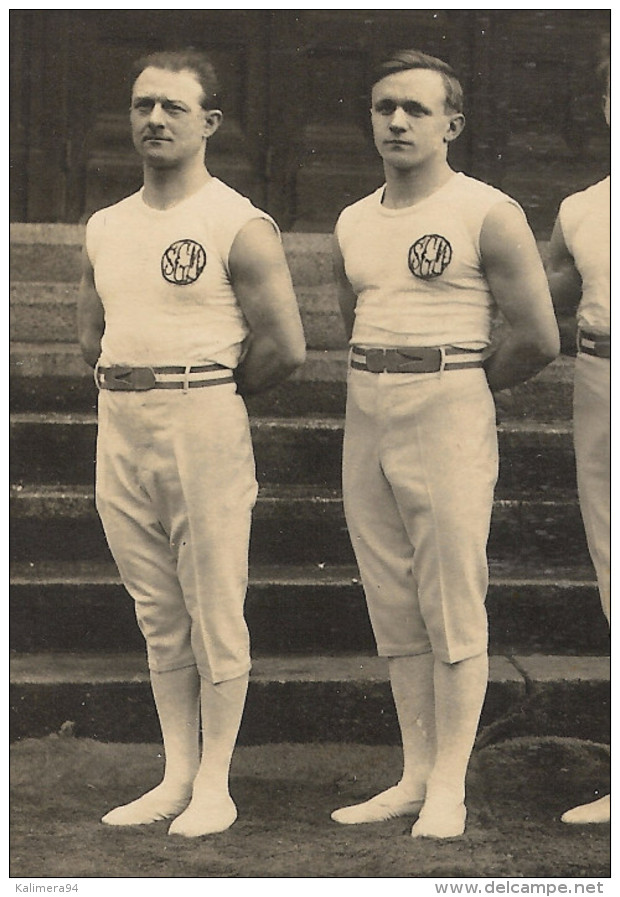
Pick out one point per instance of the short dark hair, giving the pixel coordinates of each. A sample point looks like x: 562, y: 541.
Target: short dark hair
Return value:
x: 189, y: 59
x: 404, y: 60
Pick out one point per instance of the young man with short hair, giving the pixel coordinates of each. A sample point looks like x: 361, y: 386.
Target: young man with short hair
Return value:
x: 422, y: 264
x: 579, y: 270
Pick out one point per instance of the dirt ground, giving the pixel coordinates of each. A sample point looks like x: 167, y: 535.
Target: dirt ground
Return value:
x: 61, y: 786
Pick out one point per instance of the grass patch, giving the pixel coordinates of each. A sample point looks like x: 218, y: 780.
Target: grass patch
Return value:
x: 60, y: 788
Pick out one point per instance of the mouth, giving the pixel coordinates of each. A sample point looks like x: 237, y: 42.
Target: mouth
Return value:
x: 154, y: 138
x: 398, y: 143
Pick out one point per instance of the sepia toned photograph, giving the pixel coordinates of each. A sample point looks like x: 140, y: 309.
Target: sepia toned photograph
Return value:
x: 310, y: 448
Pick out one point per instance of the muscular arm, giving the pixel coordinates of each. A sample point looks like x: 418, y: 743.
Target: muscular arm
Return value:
x: 516, y: 278
x: 565, y: 285
x: 347, y: 299
x: 262, y: 284
x: 90, y: 316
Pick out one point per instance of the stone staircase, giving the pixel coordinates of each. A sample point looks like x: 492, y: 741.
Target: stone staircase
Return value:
x: 76, y: 653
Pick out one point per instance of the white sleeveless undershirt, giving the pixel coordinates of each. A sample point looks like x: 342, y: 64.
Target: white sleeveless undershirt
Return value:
x: 585, y: 218
x: 164, y: 281
x: 417, y: 271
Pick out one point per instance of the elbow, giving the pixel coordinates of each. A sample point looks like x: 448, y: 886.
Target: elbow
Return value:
x: 546, y: 348
x: 551, y: 348
x: 294, y: 356
x: 90, y: 349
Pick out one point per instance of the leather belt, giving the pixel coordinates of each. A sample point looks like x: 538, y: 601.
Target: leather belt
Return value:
x: 594, y: 344
x: 414, y: 359
x: 139, y: 379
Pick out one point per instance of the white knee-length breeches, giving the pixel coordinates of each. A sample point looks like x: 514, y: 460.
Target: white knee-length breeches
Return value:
x: 592, y: 423
x: 419, y: 469
x: 175, y: 490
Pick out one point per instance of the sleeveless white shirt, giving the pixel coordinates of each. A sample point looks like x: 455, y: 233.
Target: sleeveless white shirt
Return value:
x: 164, y: 281
x: 417, y: 271
x: 585, y: 218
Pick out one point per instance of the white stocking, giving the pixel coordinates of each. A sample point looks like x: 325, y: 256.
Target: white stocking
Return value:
x: 459, y: 694
x: 412, y: 681
x: 176, y: 695
x: 211, y: 808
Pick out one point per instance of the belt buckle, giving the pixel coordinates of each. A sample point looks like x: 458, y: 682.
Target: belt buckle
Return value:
x: 119, y: 377
x: 420, y: 360
x: 376, y: 360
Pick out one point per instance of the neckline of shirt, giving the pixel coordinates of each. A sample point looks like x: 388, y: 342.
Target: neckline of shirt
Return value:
x: 406, y: 210
x: 207, y: 186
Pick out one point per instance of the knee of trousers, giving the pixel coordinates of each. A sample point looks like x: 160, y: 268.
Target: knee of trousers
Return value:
x: 217, y: 656
x: 221, y: 646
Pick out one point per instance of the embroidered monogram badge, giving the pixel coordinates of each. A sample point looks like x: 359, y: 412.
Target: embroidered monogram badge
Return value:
x: 429, y: 256
x: 183, y: 262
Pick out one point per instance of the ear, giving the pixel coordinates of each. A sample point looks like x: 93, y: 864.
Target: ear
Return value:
x: 455, y: 127
x: 213, y: 119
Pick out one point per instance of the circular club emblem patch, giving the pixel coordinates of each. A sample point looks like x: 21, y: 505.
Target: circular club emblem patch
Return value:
x: 183, y: 262
x: 429, y: 256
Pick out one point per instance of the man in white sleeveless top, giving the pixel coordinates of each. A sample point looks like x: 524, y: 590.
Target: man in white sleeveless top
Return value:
x: 423, y: 264
x: 579, y: 277
x: 186, y: 304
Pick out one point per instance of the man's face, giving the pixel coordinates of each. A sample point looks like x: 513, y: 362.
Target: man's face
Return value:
x: 168, y: 125
x: 410, y: 122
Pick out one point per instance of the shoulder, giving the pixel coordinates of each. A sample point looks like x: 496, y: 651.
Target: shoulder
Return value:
x: 489, y: 215
x: 479, y: 192
x: 107, y: 221
x: 228, y: 212
x: 114, y: 211
x: 599, y: 192
x: 224, y: 196
x: 232, y: 209
x: 357, y: 210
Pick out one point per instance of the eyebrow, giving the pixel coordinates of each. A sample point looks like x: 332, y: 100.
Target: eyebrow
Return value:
x: 413, y: 105
x: 156, y: 99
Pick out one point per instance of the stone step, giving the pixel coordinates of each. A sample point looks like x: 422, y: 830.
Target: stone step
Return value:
x: 60, y: 605
x: 46, y: 312
x: 60, y: 447
x: 293, y: 525
x: 45, y: 252
x: 47, y: 371
x: 342, y: 698
x: 52, y: 376
x: 45, y: 270
x: 51, y: 253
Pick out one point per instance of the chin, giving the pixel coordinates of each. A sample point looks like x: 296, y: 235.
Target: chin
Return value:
x: 401, y: 163
x: 156, y: 160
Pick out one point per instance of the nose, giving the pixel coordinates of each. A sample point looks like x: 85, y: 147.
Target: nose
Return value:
x: 399, y: 120
x: 156, y: 116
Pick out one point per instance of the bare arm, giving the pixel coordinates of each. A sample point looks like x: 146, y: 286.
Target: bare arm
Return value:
x: 516, y: 277
x: 565, y: 285
x: 347, y: 299
x: 90, y: 316
x: 262, y: 284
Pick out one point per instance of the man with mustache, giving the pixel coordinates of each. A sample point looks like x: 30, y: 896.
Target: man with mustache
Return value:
x: 186, y: 305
